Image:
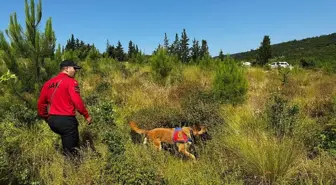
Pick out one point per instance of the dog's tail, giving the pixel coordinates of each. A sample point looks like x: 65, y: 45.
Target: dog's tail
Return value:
x: 134, y: 127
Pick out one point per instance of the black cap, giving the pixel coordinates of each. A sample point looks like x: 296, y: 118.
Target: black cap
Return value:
x: 70, y: 63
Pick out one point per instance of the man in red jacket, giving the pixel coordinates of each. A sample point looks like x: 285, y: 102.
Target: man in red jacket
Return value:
x: 59, y: 99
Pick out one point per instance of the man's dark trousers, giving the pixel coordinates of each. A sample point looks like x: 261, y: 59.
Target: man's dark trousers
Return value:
x: 67, y: 128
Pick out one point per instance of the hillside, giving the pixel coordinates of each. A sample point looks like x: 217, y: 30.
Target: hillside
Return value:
x: 320, y: 49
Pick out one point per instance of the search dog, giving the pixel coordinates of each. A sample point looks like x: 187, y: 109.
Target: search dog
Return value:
x: 182, y: 137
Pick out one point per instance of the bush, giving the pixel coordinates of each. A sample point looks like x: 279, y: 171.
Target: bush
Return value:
x: 230, y: 84
x: 21, y: 115
x: 114, y: 142
x: 4, y: 168
x: 200, y: 108
x: 158, y: 116
x: 281, y: 117
x: 162, y: 64
x: 328, y: 138
x: 131, y: 172
x: 307, y: 63
x: 103, y: 113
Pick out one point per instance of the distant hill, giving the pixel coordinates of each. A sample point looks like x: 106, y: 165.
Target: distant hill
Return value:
x: 321, y: 49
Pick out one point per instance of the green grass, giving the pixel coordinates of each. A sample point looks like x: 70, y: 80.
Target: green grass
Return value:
x: 242, y: 149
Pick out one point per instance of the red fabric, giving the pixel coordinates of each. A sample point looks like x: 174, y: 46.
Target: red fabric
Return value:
x: 180, y: 136
x: 66, y: 99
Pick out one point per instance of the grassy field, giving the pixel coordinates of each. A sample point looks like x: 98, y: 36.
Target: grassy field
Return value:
x: 282, y: 133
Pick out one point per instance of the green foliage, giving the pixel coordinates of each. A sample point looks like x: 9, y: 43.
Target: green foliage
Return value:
x: 128, y: 171
x: 265, y: 160
x: 230, y: 84
x: 158, y: 116
x: 7, y: 76
x: 204, y: 49
x: 328, y: 138
x: 16, y: 147
x: 175, y: 47
x: 314, y: 51
x: 184, y: 47
x: 26, y: 51
x: 329, y: 67
x: 21, y: 115
x: 206, y: 62
x: 166, y: 42
x: 70, y: 55
x: 77, y: 50
x: 58, y: 54
x: 119, y: 52
x: 199, y: 107
x: 307, y: 63
x: 282, y: 118
x: 175, y: 76
x: 285, y: 75
x: 264, y: 51
x: 221, y: 55
x: 162, y: 64
x: 104, y: 113
x: 4, y: 167
x: 112, y: 138
x: 195, y: 51
x: 93, y: 53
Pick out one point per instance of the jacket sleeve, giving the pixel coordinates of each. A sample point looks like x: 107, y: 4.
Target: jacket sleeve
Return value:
x: 42, y: 103
x: 76, y: 98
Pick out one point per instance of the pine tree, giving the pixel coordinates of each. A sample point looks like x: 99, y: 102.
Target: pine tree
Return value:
x: 175, y: 47
x: 32, y: 45
x: 70, y: 43
x: 120, y: 55
x: 58, y: 54
x: 77, y: 44
x: 131, y: 50
x: 221, y: 55
x: 264, y: 51
x: 166, y: 42
x: 204, y: 49
x: 195, y: 51
x: 93, y: 54
x: 184, y: 47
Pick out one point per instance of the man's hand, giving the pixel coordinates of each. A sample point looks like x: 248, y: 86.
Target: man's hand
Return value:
x: 89, y: 120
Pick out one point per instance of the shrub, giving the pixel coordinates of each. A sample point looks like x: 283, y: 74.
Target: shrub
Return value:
x: 21, y: 115
x: 230, y: 84
x: 103, y: 113
x: 281, y: 117
x: 162, y: 64
x: 307, y: 63
x: 328, y: 138
x: 131, y: 172
x: 112, y: 138
x: 158, y: 116
x: 200, y: 108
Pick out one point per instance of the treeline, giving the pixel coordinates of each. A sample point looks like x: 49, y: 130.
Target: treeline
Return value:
x: 315, y: 50
x: 181, y: 47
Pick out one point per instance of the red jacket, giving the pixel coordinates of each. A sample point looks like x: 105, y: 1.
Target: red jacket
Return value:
x: 65, y: 100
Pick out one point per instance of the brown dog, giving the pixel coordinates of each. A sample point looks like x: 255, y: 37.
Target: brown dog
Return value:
x: 166, y: 135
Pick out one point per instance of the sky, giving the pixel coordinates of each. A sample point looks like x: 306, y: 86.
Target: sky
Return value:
x: 233, y: 26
